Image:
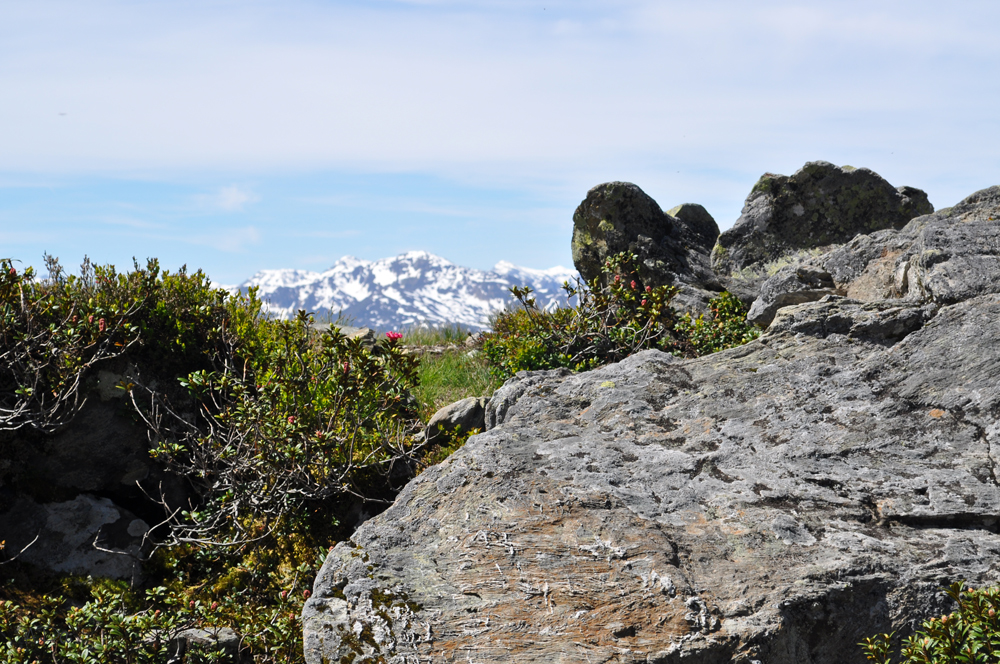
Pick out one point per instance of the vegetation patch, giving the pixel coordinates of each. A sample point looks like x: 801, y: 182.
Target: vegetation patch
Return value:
x: 970, y: 633
x: 616, y: 315
x: 276, y: 428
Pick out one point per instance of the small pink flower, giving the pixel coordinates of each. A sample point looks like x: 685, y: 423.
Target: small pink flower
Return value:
x: 649, y: 289
x: 393, y: 336
x: 101, y: 325
x: 306, y: 593
x: 191, y: 604
x: 284, y: 594
x: 90, y: 319
x: 617, y: 278
x: 291, y: 419
x: 643, y: 303
x: 13, y: 272
x: 215, y: 606
x: 633, y: 285
x: 347, y: 367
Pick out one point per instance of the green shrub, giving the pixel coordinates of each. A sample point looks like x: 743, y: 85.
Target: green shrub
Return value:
x: 118, y: 625
x: 726, y: 327
x: 303, y: 417
x: 272, y: 423
x: 614, y: 317
x: 969, y: 634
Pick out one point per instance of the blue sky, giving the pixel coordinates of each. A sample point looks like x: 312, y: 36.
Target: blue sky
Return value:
x: 236, y: 136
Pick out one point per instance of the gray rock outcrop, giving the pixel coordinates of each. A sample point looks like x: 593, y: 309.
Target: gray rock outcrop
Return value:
x: 820, y: 205
x: 775, y: 503
x: 944, y: 257
x: 673, y: 248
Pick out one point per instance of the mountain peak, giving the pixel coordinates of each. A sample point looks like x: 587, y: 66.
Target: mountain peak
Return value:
x: 415, y: 288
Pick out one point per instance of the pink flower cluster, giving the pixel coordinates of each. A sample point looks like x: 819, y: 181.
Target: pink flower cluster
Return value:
x: 394, y: 336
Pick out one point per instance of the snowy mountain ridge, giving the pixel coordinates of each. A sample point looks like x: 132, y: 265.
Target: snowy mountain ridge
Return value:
x: 415, y: 288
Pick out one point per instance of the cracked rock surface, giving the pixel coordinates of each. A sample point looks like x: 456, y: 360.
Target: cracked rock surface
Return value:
x: 775, y: 503
x: 945, y: 257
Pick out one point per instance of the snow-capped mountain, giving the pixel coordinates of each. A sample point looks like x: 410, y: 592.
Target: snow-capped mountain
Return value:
x: 415, y: 288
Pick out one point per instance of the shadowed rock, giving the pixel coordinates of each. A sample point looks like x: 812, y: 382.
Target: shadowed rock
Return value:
x: 673, y: 248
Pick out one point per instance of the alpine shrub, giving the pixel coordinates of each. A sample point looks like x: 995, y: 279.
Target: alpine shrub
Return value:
x: 615, y: 316
x: 726, y: 327
x: 970, y: 633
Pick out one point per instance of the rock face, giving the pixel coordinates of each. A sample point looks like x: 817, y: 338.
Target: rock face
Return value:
x: 820, y: 205
x: 77, y: 489
x: 86, y: 536
x: 772, y: 503
x: 944, y: 257
x: 673, y: 248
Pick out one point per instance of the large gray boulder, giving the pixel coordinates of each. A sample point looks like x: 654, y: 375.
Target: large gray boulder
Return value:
x: 786, y: 217
x: 775, y: 503
x: 673, y: 248
x: 944, y: 257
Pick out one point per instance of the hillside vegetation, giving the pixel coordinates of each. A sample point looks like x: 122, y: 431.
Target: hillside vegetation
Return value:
x: 276, y: 427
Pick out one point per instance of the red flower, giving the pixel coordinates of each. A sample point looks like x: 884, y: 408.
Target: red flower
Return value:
x: 393, y: 336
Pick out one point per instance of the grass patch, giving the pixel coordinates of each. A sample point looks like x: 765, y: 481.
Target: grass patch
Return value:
x: 435, y: 336
x: 450, y: 377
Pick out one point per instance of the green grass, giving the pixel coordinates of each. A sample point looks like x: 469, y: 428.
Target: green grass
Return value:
x: 450, y: 377
x: 435, y: 336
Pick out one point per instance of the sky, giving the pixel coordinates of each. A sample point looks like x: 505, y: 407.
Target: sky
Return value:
x: 235, y: 136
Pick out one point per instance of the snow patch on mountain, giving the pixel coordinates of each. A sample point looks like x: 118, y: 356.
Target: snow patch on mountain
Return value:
x: 415, y: 288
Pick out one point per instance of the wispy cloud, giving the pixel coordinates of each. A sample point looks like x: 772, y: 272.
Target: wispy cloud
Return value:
x: 233, y: 198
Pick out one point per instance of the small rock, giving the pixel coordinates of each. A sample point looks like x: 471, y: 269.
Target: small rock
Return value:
x: 463, y: 416
x: 223, y: 639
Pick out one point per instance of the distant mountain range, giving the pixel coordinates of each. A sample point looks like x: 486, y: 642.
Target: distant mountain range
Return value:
x: 415, y: 288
